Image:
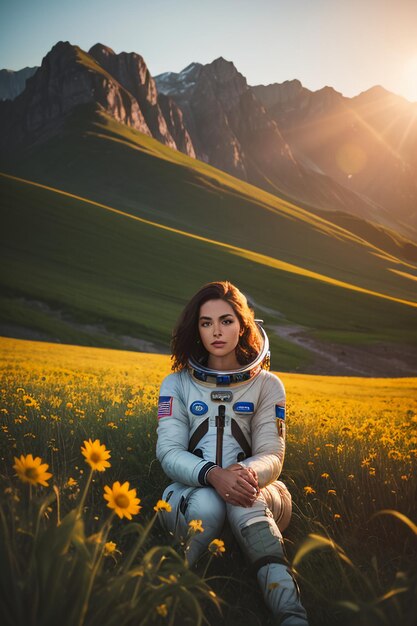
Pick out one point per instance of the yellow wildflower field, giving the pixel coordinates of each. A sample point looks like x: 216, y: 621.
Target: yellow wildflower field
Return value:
x: 351, y: 445
x: 340, y: 430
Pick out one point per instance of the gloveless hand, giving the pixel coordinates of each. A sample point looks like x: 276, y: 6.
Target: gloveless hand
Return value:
x: 235, y: 486
x: 248, y: 473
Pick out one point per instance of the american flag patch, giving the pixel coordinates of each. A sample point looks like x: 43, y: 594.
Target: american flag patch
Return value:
x: 165, y: 406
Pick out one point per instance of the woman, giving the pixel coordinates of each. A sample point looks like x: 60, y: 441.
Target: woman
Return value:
x: 221, y: 438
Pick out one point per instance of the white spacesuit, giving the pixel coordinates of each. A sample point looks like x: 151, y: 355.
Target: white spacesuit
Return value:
x: 209, y: 419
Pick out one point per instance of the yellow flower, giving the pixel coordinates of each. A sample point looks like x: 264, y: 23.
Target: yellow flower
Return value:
x: 29, y: 401
x: 394, y: 454
x: 161, y: 505
x: 96, y: 455
x: 71, y: 482
x: 308, y: 490
x: 196, y: 526
x: 216, y: 547
x: 31, y: 470
x: 109, y: 548
x: 122, y: 499
x: 331, y: 492
x: 336, y: 516
x: 325, y: 475
x: 162, y: 610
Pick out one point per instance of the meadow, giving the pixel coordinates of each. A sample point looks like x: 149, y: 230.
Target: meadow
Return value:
x: 78, y: 293
x: 350, y: 465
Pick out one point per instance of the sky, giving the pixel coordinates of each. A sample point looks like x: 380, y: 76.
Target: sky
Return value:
x: 350, y: 45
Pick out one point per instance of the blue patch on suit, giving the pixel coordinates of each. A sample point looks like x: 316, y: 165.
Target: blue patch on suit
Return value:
x: 198, y: 408
x: 243, y: 408
x: 280, y: 411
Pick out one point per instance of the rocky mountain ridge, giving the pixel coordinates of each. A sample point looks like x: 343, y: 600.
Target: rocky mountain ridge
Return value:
x: 246, y: 131
x: 327, y: 152
x: 68, y: 77
x: 367, y: 143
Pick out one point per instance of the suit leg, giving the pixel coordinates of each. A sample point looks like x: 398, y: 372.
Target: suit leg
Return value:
x: 261, y: 541
x: 189, y: 503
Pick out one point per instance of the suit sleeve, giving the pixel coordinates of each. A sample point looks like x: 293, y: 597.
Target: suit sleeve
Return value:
x: 173, y: 437
x: 268, y: 432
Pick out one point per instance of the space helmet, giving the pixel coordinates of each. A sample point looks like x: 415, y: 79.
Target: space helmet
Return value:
x: 232, y: 377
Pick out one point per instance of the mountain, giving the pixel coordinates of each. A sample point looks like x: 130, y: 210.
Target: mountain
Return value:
x: 69, y: 77
x: 231, y: 129
x: 327, y: 153
x: 133, y: 75
x: 220, y: 121
x: 368, y: 143
x: 106, y: 231
x: 13, y: 83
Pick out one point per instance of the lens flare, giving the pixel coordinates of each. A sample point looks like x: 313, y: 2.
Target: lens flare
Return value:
x: 351, y: 158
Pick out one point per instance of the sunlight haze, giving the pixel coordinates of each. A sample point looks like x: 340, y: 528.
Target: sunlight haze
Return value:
x: 350, y: 45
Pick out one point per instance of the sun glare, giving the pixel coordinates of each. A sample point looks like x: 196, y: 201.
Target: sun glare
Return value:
x: 410, y: 76
x: 351, y: 158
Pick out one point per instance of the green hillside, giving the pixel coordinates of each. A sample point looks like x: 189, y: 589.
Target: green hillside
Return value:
x: 70, y: 266
x: 97, y: 158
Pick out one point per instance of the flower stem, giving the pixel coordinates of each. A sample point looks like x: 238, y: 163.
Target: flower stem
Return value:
x: 97, y: 559
x: 141, y: 540
x: 83, y: 497
x: 207, y: 566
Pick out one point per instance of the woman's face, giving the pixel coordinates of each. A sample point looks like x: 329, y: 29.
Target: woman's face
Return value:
x: 219, y: 332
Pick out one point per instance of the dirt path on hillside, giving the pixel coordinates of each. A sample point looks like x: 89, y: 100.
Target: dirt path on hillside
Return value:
x: 327, y: 358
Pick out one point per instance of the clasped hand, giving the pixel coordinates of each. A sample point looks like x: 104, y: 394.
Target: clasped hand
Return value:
x: 236, y: 484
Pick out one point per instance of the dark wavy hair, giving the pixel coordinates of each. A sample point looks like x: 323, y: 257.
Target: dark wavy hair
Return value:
x: 185, y: 341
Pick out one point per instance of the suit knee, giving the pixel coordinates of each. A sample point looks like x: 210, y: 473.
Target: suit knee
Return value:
x: 205, y: 504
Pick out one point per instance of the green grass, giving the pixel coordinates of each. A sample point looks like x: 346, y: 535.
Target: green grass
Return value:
x: 394, y: 335
x: 99, y: 267
x: 93, y: 266
x: 99, y: 159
